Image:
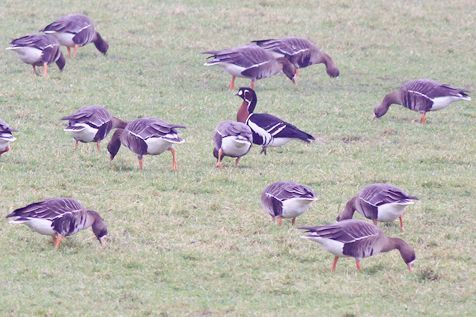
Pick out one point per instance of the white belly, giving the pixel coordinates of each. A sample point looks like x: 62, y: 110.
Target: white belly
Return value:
x: 295, y: 206
x: 86, y: 134
x: 390, y: 212
x: 41, y: 226
x: 5, y: 140
x: 28, y: 55
x: 65, y: 39
x: 235, y: 147
x: 334, y: 247
x: 3, y: 145
x: 157, y: 145
x: 279, y: 141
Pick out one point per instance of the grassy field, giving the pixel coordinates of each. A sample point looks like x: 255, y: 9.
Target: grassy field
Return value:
x: 196, y: 242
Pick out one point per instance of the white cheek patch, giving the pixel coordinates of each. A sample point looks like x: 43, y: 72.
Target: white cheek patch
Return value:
x: 240, y: 93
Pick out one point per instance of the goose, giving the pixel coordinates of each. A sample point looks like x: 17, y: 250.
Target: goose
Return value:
x: 75, y: 30
x: 267, y: 129
x: 38, y: 50
x: 147, y: 136
x: 300, y: 52
x: 250, y: 62
x: 286, y: 200
x: 59, y: 218
x: 357, y: 239
x: 422, y: 95
x: 6, y: 137
x: 91, y: 124
x: 232, y: 139
x: 379, y: 202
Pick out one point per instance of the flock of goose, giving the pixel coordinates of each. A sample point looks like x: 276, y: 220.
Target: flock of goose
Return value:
x: 61, y: 217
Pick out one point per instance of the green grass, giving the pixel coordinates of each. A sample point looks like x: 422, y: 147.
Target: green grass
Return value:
x: 196, y: 242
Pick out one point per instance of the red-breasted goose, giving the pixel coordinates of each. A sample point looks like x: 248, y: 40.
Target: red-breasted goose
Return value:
x: 38, y: 50
x: 231, y: 139
x: 6, y: 137
x: 286, y: 200
x: 301, y: 52
x: 268, y: 130
x: 250, y: 62
x: 75, y: 30
x: 59, y: 218
x: 147, y: 136
x: 91, y: 124
x: 357, y: 239
x: 422, y: 95
x: 378, y: 202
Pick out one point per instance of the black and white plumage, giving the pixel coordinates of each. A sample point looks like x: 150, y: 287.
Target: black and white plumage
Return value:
x: 147, y: 136
x: 287, y: 200
x: 250, y: 62
x: 232, y: 139
x: 75, y: 30
x: 268, y: 130
x: 379, y: 202
x: 91, y: 124
x: 422, y: 95
x: 59, y: 217
x: 6, y: 137
x: 357, y: 239
x: 300, y: 52
x: 38, y: 50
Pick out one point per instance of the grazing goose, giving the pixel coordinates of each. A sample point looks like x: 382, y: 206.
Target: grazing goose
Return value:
x: 6, y: 137
x: 232, y: 139
x: 250, y: 62
x: 378, y: 202
x: 147, y: 136
x: 38, y: 50
x: 422, y: 95
x: 286, y: 200
x: 59, y: 218
x: 357, y: 239
x: 75, y: 30
x: 267, y: 129
x: 300, y: 52
x: 91, y: 124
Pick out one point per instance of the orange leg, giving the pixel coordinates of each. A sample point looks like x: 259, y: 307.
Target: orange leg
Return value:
x: 45, y: 70
x: 220, y: 155
x: 334, y: 264
x: 57, y: 240
x: 357, y: 264
x: 34, y: 70
x: 252, y: 84
x: 279, y: 220
x: 375, y: 221
x: 141, y: 163
x: 401, y: 223
x: 232, y: 83
x: 76, y: 144
x: 174, y: 158
x: 237, y: 161
x: 75, y: 50
x: 423, y: 118
x: 69, y: 51
x: 293, y: 221
x: 98, y: 146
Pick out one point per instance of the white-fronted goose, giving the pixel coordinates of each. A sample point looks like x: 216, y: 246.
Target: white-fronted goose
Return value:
x: 59, y: 218
x: 75, y: 30
x: 147, y: 136
x: 267, y: 129
x: 91, y: 124
x: 300, y: 52
x: 38, y: 50
x: 6, y: 137
x: 250, y: 62
x: 231, y: 139
x: 422, y: 95
x: 286, y: 200
x: 357, y: 239
x: 378, y: 202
